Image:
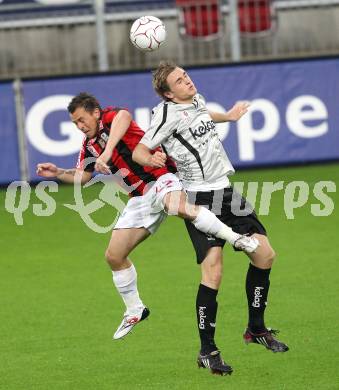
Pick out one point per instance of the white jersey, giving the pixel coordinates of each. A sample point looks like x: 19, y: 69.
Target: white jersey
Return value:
x: 188, y: 134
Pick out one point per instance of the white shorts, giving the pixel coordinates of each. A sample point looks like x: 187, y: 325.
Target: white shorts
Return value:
x: 148, y: 210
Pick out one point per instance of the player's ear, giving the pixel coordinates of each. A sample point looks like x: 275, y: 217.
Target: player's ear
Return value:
x: 169, y: 95
x: 96, y: 113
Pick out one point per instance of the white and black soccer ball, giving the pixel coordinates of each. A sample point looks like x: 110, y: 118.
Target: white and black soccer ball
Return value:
x: 148, y: 33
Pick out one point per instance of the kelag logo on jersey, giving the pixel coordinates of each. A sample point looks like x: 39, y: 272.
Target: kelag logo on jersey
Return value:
x: 203, y: 129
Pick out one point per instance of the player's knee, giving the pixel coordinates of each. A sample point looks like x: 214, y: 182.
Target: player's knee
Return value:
x: 212, y: 277
x: 171, y: 208
x: 182, y: 213
x: 178, y: 210
x: 171, y: 203
x: 175, y: 204
x: 268, y: 257
x: 271, y: 256
x: 216, y: 278
x: 112, y: 258
x: 212, y: 280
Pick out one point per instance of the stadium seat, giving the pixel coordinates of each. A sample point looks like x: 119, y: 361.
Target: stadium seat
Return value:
x: 199, y: 18
x: 201, y: 21
x: 256, y: 17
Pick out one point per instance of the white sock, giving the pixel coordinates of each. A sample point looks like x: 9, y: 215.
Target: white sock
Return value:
x: 208, y: 223
x: 126, y: 283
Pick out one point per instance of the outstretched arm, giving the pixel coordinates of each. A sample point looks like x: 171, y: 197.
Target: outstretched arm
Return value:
x: 143, y: 156
x: 234, y: 114
x: 50, y: 170
x: 119, y: 127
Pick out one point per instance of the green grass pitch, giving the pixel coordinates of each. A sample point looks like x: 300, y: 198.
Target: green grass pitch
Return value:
x: 59, y: 308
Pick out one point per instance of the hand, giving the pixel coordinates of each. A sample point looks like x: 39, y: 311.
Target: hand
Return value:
x: 47, y: 170
x: 237, y: 111
x: 101, y: 163
x: 157, y: 160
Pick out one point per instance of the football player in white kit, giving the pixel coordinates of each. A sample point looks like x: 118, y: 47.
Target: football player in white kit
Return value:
x: 186, y: 130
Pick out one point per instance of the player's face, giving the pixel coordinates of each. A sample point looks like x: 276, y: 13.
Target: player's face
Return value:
x: 86, y: 121
x: 182, y: 88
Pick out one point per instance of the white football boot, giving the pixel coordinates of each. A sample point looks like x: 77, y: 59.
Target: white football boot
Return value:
x: 129, y: 321
x: 246, y: 244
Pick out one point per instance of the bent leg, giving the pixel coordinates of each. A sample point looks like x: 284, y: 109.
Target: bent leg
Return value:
x: 122, y: 242
x: 175, y: 203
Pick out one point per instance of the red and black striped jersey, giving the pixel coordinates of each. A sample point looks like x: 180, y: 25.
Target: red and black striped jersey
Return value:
x: 134, y: 176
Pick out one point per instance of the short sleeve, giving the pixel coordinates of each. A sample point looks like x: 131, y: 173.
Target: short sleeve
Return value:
x: 163, y: 124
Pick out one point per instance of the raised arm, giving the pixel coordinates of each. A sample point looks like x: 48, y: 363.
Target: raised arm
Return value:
x: 50, y: 170
x: 234, y: 114
x: 119, y: 127
x: 143, y: 156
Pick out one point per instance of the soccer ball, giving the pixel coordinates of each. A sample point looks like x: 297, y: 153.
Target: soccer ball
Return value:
x: 148, y: 33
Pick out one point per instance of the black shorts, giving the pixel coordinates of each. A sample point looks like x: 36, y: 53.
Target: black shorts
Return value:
x: 231, y: 208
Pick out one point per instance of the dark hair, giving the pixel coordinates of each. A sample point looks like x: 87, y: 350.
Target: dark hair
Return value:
x: 160, y: 75
x: 85, y: 100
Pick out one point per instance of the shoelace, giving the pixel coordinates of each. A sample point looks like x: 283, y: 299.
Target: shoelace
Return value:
x: 130, y: 321
x: 273, y: 332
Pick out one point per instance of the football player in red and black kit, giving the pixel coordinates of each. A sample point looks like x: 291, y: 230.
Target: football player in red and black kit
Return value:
x: 110, y: 138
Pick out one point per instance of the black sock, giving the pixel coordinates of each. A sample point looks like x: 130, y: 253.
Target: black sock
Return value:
x: 257, y: 285
x: 206, y: 307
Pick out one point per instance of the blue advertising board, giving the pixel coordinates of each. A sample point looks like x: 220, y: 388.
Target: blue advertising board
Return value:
x: 293, y: 116
x: 9, y: 167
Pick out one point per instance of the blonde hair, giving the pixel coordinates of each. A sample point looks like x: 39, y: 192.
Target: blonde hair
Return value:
x: 160, y: 75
